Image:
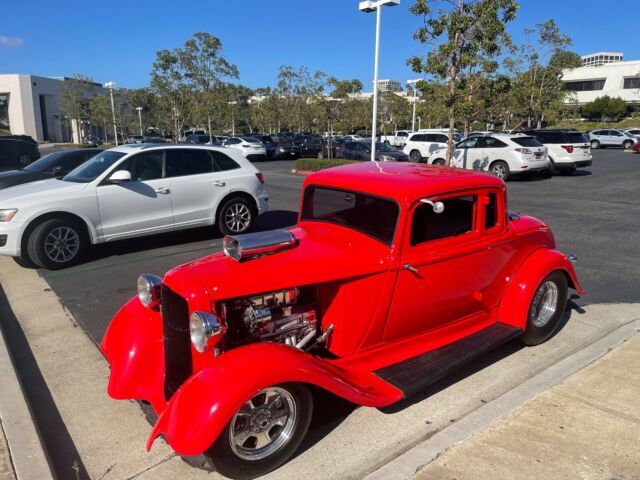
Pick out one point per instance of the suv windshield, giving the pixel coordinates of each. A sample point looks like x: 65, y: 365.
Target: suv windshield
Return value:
x: 92, y: 169
x: 373, y: 216
x: 45, y: 163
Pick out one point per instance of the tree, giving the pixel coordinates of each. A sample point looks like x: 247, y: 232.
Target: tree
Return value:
x: 100, y: 112
x: 206, y: 68
x: 466, y: 38
x: 75, y: 94
x: 605, y: 107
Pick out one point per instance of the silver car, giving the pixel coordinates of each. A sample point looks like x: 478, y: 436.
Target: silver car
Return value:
x: 610, y: 138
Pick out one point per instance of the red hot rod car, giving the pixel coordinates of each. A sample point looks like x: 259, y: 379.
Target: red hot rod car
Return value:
x: 394, y: 275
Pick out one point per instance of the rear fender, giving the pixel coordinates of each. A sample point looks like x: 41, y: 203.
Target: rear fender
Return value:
x: 514, y: 307
x: 199, y: 411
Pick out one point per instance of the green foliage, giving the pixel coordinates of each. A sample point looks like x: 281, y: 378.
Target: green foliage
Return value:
x: 75, y: 98
x: 314, y: 165
x: 605, y: 107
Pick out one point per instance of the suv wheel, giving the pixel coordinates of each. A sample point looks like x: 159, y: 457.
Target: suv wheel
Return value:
x: 57, y: 243
x: 23, y: 160
x: 595, y: 144
x: 236, y: 216
x: 264, y: 432
x: 500, y: 169
x: 415, y: 156
x: 628, y: 144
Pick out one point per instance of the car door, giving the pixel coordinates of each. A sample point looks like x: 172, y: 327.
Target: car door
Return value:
x: 433, y: 286
x: 363, y: 152
x: 616, y: 138
x: 196, y: 188
x: 140, y: 206
x: 489, y: 149
x: 465, y: 153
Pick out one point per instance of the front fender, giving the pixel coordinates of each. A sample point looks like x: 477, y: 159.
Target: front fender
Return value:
x: 133, y: 345
x: 198, y: 412
x: 514, y: 306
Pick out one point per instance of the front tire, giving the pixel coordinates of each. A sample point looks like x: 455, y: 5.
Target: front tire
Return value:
x: 235, y: 216
x: 595, y: 144
x: 23, y: 160
x: 546, y: 308
x: 264, y: 432
x: 415, y: 156
x: 500, y: 169
x: 57, y: 243
x: 627, y: 145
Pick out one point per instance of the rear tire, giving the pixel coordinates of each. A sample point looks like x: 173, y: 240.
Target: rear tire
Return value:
x: 628, y: 144
x: 239, y: 458
x: 415, y: 156
x: 23, y: 160
x: 57, y: 243
x: 235, y: 216
x: 320, y: 155
x: 546, y: 308
x: 595, y: 144
x: 500, y: 169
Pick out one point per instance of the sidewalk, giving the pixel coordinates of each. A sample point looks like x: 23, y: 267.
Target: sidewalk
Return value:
x: 6, y: 468
x: 585, y: 427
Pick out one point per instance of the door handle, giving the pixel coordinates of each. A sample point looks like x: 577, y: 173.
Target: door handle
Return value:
x: 162, y: 190
x: 219, y: 183
x: 411, y: 268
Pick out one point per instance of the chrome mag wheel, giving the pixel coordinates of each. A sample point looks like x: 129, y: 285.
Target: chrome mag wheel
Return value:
x: 264, y: 424
x: 544, y: 304
x: 237, y: 218
x: 24, y: 160
x: 499, y: 170
x: 62, y: 244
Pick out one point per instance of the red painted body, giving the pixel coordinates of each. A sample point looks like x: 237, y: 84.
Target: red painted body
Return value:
x: 382, y: 313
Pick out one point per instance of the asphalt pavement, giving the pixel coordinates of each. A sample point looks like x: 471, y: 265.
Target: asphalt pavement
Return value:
x: 593, y: 213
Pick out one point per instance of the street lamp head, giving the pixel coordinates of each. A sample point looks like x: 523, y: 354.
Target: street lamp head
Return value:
x: 109, y: 84
x: 369, y: 6
x: 411, y: 82
x: 139, y: 108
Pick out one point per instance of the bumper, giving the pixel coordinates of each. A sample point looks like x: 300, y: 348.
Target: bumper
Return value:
x: 256, y: 156
x: 263, y: 202
x: 534, y: 166
x: 10, y: 235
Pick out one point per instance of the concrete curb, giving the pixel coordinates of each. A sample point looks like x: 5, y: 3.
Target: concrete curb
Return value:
x: 425, y: 452
x: 27, y: 455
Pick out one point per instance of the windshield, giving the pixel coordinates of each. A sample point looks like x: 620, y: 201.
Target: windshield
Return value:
x: 92, y: 169
x: 249, y: 139
x: 45, y: 163
x: 373, y: 216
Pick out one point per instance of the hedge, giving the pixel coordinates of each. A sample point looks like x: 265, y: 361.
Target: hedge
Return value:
x: 316, y: 164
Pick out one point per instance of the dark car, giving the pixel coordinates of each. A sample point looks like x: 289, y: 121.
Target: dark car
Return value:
x: 362, y: 151
x: 286, y: 151
x: 314, y: 146
x: 268, y: 142
x: 154, y: 139
x: 17, y: 151
x: 202, y: 139
x: 56, y: 164
x: 93, y: 141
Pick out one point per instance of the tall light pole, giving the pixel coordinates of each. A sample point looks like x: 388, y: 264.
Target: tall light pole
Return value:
x: 369, y: 6
x: 233, y: 119
x: 140, y: 117
x: 415, y: 100
x: 110, y: 85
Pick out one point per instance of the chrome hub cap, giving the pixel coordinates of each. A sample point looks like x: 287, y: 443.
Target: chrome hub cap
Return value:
x: 263, y: 425
x: 544, y: 304
x: 62, y: 244
x: 499, y: 171
x: 237, y: 217
x: 24, y: 160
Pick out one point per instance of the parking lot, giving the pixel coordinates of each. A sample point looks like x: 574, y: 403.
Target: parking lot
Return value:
x: 593, y: 213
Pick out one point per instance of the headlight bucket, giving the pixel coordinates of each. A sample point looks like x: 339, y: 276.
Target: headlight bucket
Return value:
x: 206, y: 329
x: 149, y: 290
x: 7, y: 214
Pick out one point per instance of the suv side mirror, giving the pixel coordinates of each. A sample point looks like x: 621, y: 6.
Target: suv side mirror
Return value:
x: 438, y: 207
x: 120, y: 176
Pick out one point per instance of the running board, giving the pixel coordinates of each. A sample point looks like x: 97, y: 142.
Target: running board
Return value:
x: 417, y: 373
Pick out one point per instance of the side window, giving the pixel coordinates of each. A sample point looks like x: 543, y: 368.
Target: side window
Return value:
x: 456, y: 219
x: 187, y: 162
x: 145, y: 166
x: 222, y: 162
x: 233, y: 141
x: 615, y: 133
x: 441, y: 138
x: 72, y: 161
x: 491, y: 212
x: 430, y: 137
x: 469, y: 143
x: 494, y: 143
x: 417, y: 138
x: 402, y: 134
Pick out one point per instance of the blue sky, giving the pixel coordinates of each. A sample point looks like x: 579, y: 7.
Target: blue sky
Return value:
x: 117, y: 40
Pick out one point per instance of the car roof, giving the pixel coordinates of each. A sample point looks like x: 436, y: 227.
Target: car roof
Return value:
x: 403, y: 182
x: 132, y: 147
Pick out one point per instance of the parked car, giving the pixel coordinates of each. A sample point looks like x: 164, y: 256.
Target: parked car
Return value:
x: 314, y: 146
x: 636, y: 147
x: 129, y: 191
x: 53, y: 165
x: 134, y: 139
x: 17, y: 151
x: 500, y: 154
x: 610, y: 138
x: 250, y: 147
x: 354, y: 138
x: 231, y: 344
x: 154, y: 139
x: 567, y: 149
x: 193, y: 131
x: 397, y: 138
x: 285, y: 151
x: 362, y: 151
x: 201, y: 139
x: 93, y: 141
x: 268, y: 142
x: 423, y: 143
x: 634, y: 132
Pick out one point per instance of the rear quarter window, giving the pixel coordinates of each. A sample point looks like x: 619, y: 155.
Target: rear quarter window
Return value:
x: 527, y: 141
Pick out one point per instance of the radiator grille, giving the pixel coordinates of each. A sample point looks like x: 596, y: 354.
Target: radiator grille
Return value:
x: 177, y: 341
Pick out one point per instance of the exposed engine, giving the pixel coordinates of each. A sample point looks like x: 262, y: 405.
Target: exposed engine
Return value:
x: 282, y: 316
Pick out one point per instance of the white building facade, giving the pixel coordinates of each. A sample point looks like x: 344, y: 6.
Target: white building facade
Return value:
x: 30, y: 105
x: 615, y: 79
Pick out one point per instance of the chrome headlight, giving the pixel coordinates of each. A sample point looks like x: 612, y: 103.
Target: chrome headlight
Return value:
x: 7, y: 214
x: 149, y: 290
x: 206, y: 329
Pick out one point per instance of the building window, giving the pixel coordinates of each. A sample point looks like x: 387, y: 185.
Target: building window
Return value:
x: 584, y: 86
x: 4, y: 112
x: 631, y: 82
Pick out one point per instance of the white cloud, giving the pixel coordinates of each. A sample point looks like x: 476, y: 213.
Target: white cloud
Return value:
x: 12, y: 42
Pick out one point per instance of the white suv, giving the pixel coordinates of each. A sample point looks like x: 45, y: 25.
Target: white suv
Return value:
x: 567, y: 149
x: 129, y: 191
x: 423, y: 143
x: 251, y: 148
x: 501, y: 154
x: 611, y: 138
